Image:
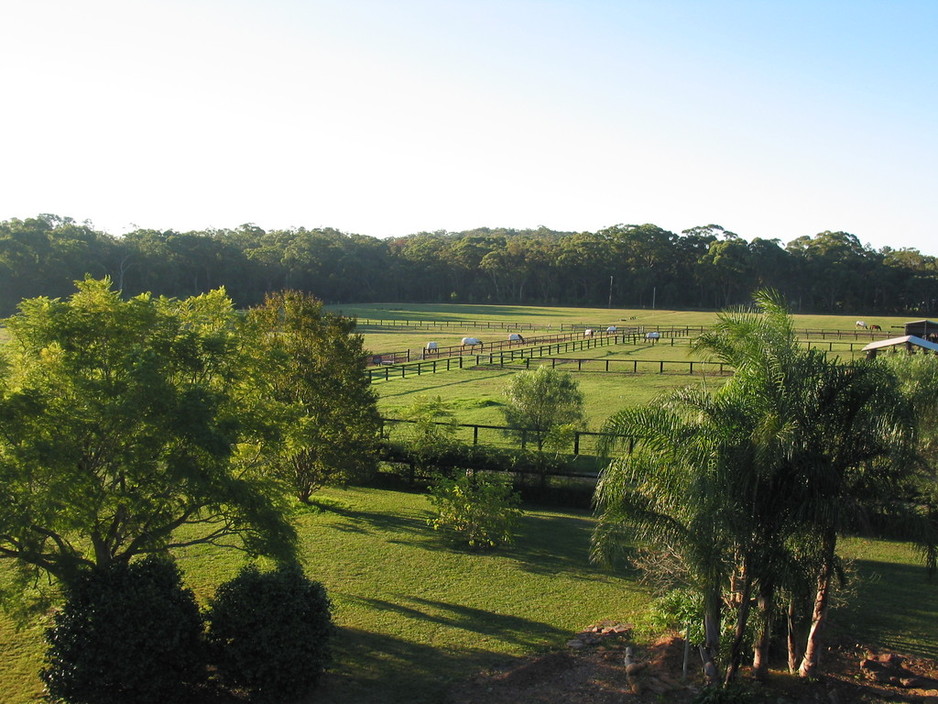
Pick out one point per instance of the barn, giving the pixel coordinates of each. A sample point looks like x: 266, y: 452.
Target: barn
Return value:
x: 921, y: 328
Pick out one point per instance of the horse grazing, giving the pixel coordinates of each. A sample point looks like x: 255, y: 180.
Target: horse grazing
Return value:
x: 471, y: 342
x: 588, y: 332
x: 875, y: 327
x: 862, y: 324
x: 653, y: 336
x: 515, y: 337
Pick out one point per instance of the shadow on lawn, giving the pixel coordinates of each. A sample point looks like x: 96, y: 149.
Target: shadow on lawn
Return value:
x: 895, y: 607
x: 360, y: 521
x: 557, y: 544
x: 373, y: 668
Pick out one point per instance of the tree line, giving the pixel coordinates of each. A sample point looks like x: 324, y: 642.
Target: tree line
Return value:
x: 628, y: 266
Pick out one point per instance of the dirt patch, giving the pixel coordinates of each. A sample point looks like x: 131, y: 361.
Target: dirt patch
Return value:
x: 596, y: 673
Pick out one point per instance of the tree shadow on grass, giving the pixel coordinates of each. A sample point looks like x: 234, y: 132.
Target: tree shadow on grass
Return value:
x: 551, y: 545
x: 373, y: 668
x: 514, y: 630
x: 895, y: 606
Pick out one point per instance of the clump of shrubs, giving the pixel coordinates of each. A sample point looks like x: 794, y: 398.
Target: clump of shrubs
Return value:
x: 269, y: 633
x: 126, y: 633
x: 478, y: 510
x: 133, y: 633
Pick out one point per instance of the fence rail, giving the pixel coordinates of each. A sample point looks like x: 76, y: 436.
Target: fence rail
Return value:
x: 583, y: 442
x: 523, y: 355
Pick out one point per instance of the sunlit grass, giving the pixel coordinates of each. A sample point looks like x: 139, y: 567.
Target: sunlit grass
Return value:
x: 414, y: 615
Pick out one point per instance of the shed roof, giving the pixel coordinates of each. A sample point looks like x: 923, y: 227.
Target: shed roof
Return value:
x: 905, y: 339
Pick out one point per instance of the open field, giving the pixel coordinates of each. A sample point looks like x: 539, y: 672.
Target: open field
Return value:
x: 416, y: 616
x: 541, y: 316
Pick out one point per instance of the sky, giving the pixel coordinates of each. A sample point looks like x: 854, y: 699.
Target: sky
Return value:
x: 771, y: 118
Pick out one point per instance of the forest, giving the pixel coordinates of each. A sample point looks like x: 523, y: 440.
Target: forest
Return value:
x: 641, y: 266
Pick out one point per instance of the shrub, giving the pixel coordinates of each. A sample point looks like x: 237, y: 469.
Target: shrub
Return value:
x: 126, y: 633
x: 479, y: 510
x: 269, y: 633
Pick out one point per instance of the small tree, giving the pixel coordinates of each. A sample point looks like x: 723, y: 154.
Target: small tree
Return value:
x: 312, y: 378
x: 270, y: 632
x: 478, y: 509
x: 127, y: 633
x: 540, y: 402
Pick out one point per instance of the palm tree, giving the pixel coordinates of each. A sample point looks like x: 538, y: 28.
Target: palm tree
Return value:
x: 756, y: 481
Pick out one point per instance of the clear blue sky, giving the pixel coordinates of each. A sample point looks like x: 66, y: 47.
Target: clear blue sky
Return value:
x: 385, y: 117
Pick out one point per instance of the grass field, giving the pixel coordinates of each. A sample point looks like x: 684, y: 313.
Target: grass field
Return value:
x: 415, y: 615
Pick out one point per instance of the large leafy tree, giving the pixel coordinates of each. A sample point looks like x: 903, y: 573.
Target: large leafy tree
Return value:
x: 118, y: 421
x: 314, y: 384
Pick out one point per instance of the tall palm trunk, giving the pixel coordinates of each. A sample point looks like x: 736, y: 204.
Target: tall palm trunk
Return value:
x: 795, y: 636
x: 812, y: 651
x: 711, y: 647
x: 742, y: 617
x: 760, y: 649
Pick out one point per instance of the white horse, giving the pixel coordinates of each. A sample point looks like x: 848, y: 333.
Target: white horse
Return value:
x: 515, y: 337
x: 471, y: 342
x: 862, y: 324
x: 588, y: 332
x: 653, y: 336
x: 611, y: 328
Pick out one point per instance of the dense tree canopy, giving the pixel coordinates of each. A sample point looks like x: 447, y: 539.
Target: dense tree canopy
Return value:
x: 118, y: 422
x: 627, y: 265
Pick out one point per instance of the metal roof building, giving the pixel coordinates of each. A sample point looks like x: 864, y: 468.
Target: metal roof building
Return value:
x: 910, y: 343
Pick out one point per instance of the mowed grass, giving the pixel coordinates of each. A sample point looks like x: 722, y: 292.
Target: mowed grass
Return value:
x: 414, y: 614
x: 542, y: 316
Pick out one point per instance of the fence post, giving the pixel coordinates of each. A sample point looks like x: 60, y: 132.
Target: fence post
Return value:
x: 576, y: 442
x: 475, y: 434
x: 661, y: 367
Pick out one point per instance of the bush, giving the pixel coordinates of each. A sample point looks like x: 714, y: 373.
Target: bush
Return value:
x: 269, y: 633
x: 127, y: 633
x: 479, y: 510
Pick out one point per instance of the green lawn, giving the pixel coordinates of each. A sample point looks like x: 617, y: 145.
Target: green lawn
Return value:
x: 414, y: 614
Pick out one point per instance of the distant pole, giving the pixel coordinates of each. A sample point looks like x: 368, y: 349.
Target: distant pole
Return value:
x: 610, y: 290
x: 654, y: 292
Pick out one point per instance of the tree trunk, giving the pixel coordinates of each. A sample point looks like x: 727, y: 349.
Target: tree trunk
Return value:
x: 711, y: 647
x: 742, y: 617
x: 760, y: 649
x: 812, y: 651
x: 795, y: 651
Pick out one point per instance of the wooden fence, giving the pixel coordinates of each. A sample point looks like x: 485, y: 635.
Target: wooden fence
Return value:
x: 523, y: 355
x: 583, y: 442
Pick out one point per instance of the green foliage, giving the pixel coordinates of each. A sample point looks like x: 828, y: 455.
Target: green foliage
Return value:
x: 735, y: 693
x: 126, y: 633
x: 544, y: 402
x: 270, y: 633
x: 119, y: 421
x: 311, y: 381
x: 478, y: 509
x: 679, y: 610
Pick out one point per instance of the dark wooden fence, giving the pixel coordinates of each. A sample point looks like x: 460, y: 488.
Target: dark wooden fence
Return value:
x: 582, y: 442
